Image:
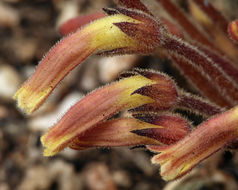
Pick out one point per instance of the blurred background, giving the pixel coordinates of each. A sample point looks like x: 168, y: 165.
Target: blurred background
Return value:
x: 28, y: 29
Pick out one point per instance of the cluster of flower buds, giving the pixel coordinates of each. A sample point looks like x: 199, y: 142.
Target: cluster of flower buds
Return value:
x: 147, y: 95
x: 103, y: 36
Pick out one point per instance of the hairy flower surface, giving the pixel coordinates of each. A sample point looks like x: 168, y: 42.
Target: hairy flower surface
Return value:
x: 133, y: 132
x: 178, y: 159
x: 207, y: 59
x: 116, y: 132
x: 100, y: 36
x: 103, y: 103
x: 174, y: 127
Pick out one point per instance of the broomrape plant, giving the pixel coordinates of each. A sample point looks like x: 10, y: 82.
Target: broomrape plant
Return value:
x: 208, y: 60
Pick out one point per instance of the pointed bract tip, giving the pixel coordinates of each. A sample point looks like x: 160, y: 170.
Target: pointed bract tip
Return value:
x: 134, y: 4
x: 173, y: 127
x: 164, y: 92
x: 147, y: 31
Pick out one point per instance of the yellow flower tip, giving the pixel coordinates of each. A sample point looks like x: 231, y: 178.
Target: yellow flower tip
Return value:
x: 53, y: 143
x: 167, y: 171
x: 42, y: 139
x: 49, y: 150
x: 48, y: 153
x: 29, y: 100
x: 233, y: 30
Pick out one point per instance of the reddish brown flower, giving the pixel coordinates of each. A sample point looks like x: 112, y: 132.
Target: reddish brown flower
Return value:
x: 178, y: 159
x: 102, y: 36
x: 103, y: 103
x: 147, y: 130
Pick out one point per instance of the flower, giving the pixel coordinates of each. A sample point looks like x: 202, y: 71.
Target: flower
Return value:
x: 178, y: 159
x: 102, y: 36
x: 146, y: 130
x: 127, y: 93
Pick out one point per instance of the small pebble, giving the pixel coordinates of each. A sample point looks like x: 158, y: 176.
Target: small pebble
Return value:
x: 44, y: 121
x: 9, y: 17
x: 9, y: 81
x: 111, y: 67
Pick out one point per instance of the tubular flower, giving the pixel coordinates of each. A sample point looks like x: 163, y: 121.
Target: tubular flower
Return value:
x: 178, y: 159
x: 133, y: 132
x: 100, y: 36
x: 98, y: 106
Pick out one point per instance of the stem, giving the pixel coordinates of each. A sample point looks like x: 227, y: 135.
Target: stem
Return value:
x: 222, y: 62
x: 197, y: 104
x: 186, y: 24
x: 220, y: 79
x: 198, y: 78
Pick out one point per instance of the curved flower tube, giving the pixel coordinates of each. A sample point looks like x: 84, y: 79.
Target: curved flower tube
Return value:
x: 100, y: 36
x: 146, y: 130
x: 178, y: 159
x: 116, y: 132
x: 103, y: 103
x: 67, y: 54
